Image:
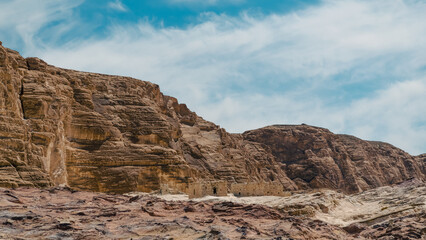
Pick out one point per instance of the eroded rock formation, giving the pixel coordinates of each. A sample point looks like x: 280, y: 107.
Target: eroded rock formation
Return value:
x: 63, y: 214
x: 391, y: 212
x: 118, y: 134
x: 111, y: 134
x: 314, y: 157
x: 421, y: 161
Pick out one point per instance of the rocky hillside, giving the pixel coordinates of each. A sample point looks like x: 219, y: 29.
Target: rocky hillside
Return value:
x: 421, y: 161
x: 111, y: 134
x: 314, y: 157
x: 118, y: 134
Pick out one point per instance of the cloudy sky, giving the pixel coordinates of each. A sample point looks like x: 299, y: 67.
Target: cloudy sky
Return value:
x: 355, y: 67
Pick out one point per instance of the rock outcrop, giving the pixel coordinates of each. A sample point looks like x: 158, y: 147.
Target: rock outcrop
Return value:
x: 421, y: 161
x: 314, y: 157
x: 19, y: 161
x: 118, y: 134
x: 111, y: 134
x: 391, y: 212
x: 63, y: 214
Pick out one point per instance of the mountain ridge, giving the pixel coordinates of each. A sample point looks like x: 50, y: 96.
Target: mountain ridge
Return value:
x: 118, y: 134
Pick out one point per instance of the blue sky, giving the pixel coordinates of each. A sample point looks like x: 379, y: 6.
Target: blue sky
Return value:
x: 353, y: 66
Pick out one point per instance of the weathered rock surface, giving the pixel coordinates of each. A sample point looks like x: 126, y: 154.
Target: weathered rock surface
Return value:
x: 19, y: 163
x: 391, y: 212
x: 118, y: 134
x: 314, y: 157
x: 421, y: 161
x: 31, y: 213
x: 111, y: 134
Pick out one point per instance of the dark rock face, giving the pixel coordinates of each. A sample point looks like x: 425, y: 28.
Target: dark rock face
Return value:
x: 421, y: 161
x: 118, y: 134
x: 316, y: 158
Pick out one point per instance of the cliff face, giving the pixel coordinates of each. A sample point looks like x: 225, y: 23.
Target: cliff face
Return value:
x: 316, y: 158
x: 111, y: 134
x: 118, y: 134
x: 19, y: 163
x: 421, y: 161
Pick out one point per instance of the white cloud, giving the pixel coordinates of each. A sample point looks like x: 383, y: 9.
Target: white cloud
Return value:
x: 117, y: 5
x: 246, y: 72
x: 21, y: 20
x: 396, y: 115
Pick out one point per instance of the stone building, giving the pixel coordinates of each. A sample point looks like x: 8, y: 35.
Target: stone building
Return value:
x: 257, y: 189
x: 201, y: 189
x: 222, y: 188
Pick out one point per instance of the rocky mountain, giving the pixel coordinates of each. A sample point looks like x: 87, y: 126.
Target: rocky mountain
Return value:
x: 421, y: 161
x: 111, y: 134
x: 118, y: 134
x: 314, y: 157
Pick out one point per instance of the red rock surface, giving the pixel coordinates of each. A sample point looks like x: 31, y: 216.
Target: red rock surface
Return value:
x: 29, y: 213
x: 396, y: 212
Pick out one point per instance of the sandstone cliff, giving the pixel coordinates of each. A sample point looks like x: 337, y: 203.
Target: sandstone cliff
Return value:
x: 314, y: 157
x: 118, y: 134
x: 111, y: 134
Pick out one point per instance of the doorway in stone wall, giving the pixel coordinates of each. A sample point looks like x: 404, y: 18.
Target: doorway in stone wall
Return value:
x: 214, y: 190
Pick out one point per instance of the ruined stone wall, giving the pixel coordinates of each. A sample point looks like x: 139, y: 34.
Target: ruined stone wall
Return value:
x: 201, y: 189
x: 222, y: 188
x: 257, y: 189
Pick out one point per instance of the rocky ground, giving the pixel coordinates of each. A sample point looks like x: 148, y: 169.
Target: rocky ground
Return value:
x: 396, y: 212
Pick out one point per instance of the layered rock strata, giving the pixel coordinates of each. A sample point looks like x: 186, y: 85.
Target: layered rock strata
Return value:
x: 118, y: 134
x: 20, y: 164
x: 391, y: 212
x: 314, y: 157
x: 111, y: 134
x: 421, y: 161
x: 62, y: 214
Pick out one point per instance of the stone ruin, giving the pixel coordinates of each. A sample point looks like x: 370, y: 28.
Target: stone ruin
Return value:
x: 258, y: 189
x: 201, y: 189
x: 223, y: 188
